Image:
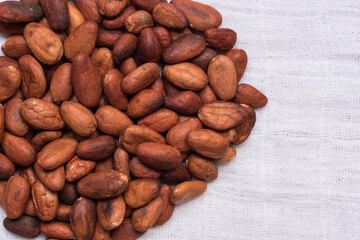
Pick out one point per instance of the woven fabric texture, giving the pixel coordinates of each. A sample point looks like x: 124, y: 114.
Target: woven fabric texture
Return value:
x: 298, y: 175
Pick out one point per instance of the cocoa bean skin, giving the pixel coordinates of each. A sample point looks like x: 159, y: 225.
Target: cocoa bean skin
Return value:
x: 16, y: 196
x: 159, y: 156
x: 19, y: 12
x: 25, y: 226
x: 97, y: 148
x: 83, y: 218
x: 102, y: 185
x: 184, y: 48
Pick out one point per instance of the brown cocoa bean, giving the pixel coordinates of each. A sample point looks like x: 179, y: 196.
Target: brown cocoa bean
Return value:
x: 25, y: 226
x: 29, y: 174
x: 177, y: 175
x: 104, y: 166
x: 41, y: 114
x: 140, y: 170
x: 243, y: 131
x: 140, y: 192
x: 158, y: 86
x: 159, y: 156
x: 86, y: 81
x: 102, y: 185
x: 96, y: 148
x: 19, y: 12
x: 239, y: 58
x: 204, y: 58
x: 138, y: 21
x: 208, y: 143
x: 2, y: 190
x: 247, y: 94
x: 124, y: 47
x: 18, y: 150
x: 134, y: 135
x: 43, y: 43
x: 176, y: 34
x: 77, y: 168
x: 63, y: 213
x: 140, y: 78
x: 113, y: 90
x: 57, y: 13
x: 119, y: 21
x: 54, y: 180
x: 163, y: 36
x: 127, y: 66
x: 33, y: 77
x: 57, y: 153
x: 103, y: 59
x: 111, y: 8
x: 81, y: 40
x: 60, y: 86
x: 222, y: 39
x: 176, y: 136
x: 187, y: 191
x: 80, y: 119
x: 57, y: 229
x: 111, y: 121
x: 186, y: 103
x: 222, y: 115
x: 15, y: 47
x: 16, y: 196
x: 144, y: 103
x: 121, y: 162
x: 100, y: 233
x: 186, y: 75
x: 202, y: 168
x: 110, y: 213
x: 10, y: 78
x: 75, y: 18
x: 89, y: 9
x: 107, y: 38
x: 201, y: 16
x: 160, y: 121
x: 184, y: 48
x: 167, y: 15
x: 83, y: 218
x: 170, y: 89
x: 126, y: 231
x: 231, y: 135
x: 148, y: 46
x: 30, y: 208
x: 43, y: 138
x: 168, y: 209
x: 45, y: 201
x: 222, y: 77
x: 145, y: 217
x: 13, y: 120
x: 230, y: 155
x: 207, y: 95
x: 68, y: 194
x: 12, y: 28
x: 147, y: 5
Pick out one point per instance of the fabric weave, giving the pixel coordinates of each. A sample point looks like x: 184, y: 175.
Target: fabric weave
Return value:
x: 298, y: 175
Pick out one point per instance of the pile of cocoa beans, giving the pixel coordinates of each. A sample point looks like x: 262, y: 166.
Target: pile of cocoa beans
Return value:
x: 112, y: 113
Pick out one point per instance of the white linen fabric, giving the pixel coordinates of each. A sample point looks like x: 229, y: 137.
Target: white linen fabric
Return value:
x: 298, y: 175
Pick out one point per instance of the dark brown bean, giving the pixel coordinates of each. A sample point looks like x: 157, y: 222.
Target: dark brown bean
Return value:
x: 25, y: 226
x: 83, y: 218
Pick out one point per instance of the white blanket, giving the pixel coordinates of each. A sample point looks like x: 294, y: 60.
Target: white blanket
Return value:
x: 298, y: 175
